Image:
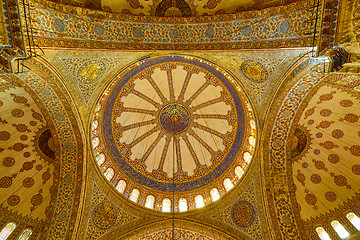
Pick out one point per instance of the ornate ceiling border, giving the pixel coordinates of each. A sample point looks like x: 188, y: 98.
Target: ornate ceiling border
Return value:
x: 274, y: 165
x: 68, y: 27
x: 40, y: 80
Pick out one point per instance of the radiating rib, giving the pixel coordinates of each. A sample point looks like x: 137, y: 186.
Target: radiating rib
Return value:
x: 171, y: 85
x: 208, y: 103
x: 142, y: 137
x: 139, y: 124
x: 157, y: 89
x: 216, y: 116
x: 202, y: 88
x: 184, y: 86
x: 178, y: 153
x: 151, y: 148
x: 146, y: 98
x: 163, y: 155
x: 209, y: 130
x: 139, y: 110
x: 193, y: 154
x: 202, y: 142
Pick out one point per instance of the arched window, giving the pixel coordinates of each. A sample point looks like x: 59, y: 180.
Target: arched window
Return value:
x: 121, y: 186
x: 25, y: 234
x: 100, y: 159
x: 339, y: 229
x: 247, y: 157
x: 109, y: 174
x: 355, y: 220
x: 239, y: 171
x: 199, y: 201
x: 94, y: 125
x: 7, y: 230
x: 183, y: 207
x: 252, y: 124
x: 214, y: 193
x: 95, y: 142
x: 228, y: 184
x: 134, y: 195
x: 323, y: 235
x: 150, y: 200
x: 166, y: 205
x: 252, y: 141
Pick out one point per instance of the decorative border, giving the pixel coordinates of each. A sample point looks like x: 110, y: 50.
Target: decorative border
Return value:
x: 71, y: 148
x: 268, y: 28
x: 274, y: 164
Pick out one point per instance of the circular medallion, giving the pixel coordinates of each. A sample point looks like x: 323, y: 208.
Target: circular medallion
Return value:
x: 174, y: 118
x: 243, y: 214
x: 173, y: 123
x: 254, y: 71
x: 104, y: 215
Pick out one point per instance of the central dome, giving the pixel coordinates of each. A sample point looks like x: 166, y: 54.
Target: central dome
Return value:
x: 173, y: 125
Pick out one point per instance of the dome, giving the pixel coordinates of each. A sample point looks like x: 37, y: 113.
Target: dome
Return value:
x: 173, y: 129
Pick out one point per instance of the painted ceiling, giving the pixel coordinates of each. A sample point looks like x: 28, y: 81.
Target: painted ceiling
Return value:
x: 186, y: 8
x: 168, y: 126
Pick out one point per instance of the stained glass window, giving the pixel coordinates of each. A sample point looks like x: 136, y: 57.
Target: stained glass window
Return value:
x: 121, y: 186
x: 134, y: 195
x: 149, y: 203
x: 109, y: 174
x: 25, y: 234
x: 340, y: 230
x: 355, y: 220
x: 252, y: 141
x: 199, y: 201
x: 166, y: 205
x: 214, y: 193
x: 7, y: 230
x: 183, y: 207
x: 228, y: 184
x: 323, y: 235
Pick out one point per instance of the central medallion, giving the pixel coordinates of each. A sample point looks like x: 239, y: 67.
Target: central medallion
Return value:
x: 174, y: 118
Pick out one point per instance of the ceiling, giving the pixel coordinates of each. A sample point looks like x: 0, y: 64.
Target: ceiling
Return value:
x: 186, y: 8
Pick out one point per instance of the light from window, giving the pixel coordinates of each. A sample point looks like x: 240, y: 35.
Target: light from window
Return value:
x: 134, y: 195
x: 7, y: 230
x: 228, y: 184
x: 239, y: 171
x: 252, y: 141
x: 340, y: 230
x: 121, y: 186
x: 183, y: 207
x: 252, y: 124
x: 109, y: 174
x: 150, y: 200
x: 94, y: 125
x: 100, y: 159
x: 355, y: 220
x: 166, y: 205
x: 323, y: 235
x: 247, y: 157
x: 25, y: 234
x: 95, y: 142
x: 214, y: 193
x: 199, y: 201
x: 98, y: 107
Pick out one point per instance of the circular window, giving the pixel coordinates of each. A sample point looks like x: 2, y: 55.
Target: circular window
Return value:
x: 173, y: 127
